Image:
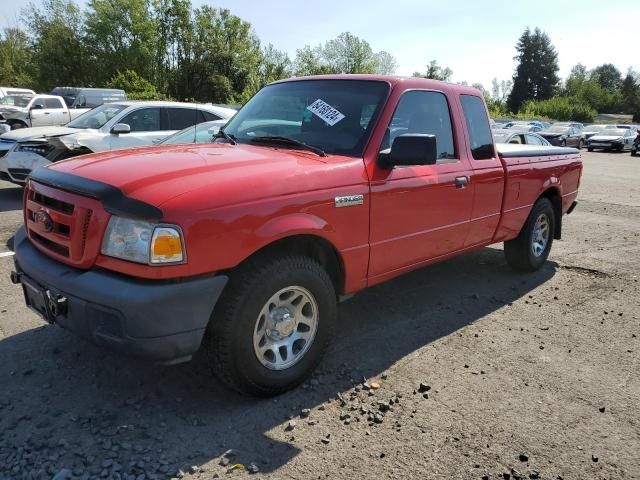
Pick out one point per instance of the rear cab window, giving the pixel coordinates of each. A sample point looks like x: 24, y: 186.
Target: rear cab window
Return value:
x: 53, y: 103
x: 480, y: 138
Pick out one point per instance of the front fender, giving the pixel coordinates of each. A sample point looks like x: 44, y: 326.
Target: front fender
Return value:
x: 294, y: 224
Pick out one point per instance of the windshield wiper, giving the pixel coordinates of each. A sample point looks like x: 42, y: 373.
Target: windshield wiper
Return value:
x: 227, y: 136
x: 289, y: 141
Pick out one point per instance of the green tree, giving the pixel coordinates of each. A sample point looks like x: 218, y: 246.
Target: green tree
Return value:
x: 121, y: 35
x: 137, y: 88
x: 435, y: 72
x: 559, y: 108
x: 59, y: 54
x: 630, y: 91
x: 310, y: 61
x: 386, y: 63
x: 536, y: 76
x: 608, y: 76
x: 349, y: 54
x: 274, y: 65
x: 15, y: 59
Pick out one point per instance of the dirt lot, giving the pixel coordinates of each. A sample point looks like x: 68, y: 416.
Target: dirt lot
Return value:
x: 530, y: 376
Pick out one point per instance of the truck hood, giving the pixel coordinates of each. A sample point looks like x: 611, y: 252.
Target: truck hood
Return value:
x: 34, y: 132
x: 224, y: 174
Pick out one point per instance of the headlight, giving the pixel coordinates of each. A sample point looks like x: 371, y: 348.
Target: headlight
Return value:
x: 143, y: 242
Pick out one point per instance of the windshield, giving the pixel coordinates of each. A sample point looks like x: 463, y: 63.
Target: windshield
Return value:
x: 16, y: 100
x: 97, y: 117
x: 613, y: 132
x: 336, y: 116
x: 200, y: 133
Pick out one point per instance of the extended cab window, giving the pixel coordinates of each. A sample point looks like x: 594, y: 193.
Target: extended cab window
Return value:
x: 53, y: 103
x: 480, y: 137
x: 426, y: 112
x: 207, y: 116
x: 143, y: 120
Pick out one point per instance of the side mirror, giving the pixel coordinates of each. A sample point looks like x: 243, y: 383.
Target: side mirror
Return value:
x: 37, y: 106
x: 119, y: 128
x: 213, y: 130
x: 410, y: 149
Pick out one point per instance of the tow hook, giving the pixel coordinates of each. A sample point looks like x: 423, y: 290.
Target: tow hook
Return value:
x: 15, y: 277
x: 57, y: 303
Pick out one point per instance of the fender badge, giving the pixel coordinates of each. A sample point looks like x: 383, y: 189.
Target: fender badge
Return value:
x: 349, y: 201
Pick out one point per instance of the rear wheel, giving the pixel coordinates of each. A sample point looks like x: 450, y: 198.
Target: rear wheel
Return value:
x: 589, y: 149
x: 530, y: 249
x: 580, y: 145
x: 273, y: 324
x: 563, y: 143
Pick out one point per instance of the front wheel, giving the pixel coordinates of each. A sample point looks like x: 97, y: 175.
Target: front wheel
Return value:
x: 580, y: 145
x: 589, y: 149
x: 563, y: 143
x: 17, y: 126
x: 274, y: 322
x: 530, y: 249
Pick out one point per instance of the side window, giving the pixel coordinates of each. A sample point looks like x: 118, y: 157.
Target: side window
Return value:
x: 423, y: 112
x: 475, y: 115
x: 533, y: 140
x: 143, y: 120
x: 181, y: 118
x: 52, y: 103
x: 39, y: 102
x: 207, y: 117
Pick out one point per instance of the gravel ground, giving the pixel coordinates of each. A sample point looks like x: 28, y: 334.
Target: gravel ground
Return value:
x: 461, y: 370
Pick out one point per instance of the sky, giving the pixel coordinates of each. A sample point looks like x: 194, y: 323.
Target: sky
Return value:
x: 474, y: 38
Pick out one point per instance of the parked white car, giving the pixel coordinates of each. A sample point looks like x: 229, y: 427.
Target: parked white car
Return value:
x: 110, y: 126
x: 23, y: 111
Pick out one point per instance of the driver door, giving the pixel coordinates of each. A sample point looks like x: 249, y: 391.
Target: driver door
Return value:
x: 38, y: 113
x: 421, y: 212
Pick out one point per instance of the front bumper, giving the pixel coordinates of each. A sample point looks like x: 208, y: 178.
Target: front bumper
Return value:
x: 163, y: 321
x: 18, y: 165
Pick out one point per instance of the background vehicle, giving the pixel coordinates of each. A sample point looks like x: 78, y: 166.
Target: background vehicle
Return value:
x: 22, y: 111
x: 519, y: 138
x: 202, y: 133
x: 532, y: 126
x: 635, y: 147
x: 5, y: 91
x: 76, y: 97
x: 591, y: 130
x: 110, y: 126
x: 317, y: 188
x: 618, y: 139
x: 563, y: 135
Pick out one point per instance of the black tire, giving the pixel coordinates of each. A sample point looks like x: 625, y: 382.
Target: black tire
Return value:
x: 589, y: 149
x: 229, y: 340
x: 563, y: 143
x: 17, y: 126
x: 519, y: 252
x: 580, y: 145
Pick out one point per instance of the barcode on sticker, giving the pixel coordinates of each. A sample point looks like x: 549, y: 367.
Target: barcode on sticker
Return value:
x: 326, y: 112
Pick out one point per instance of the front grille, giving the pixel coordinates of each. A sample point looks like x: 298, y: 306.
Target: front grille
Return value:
x: 58, y: 223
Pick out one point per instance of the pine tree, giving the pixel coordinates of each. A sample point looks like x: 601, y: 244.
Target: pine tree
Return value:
x: 536, y: 76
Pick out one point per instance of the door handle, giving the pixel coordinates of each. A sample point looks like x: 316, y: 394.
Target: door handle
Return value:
x: 46, y: 113
x: 462, y: 182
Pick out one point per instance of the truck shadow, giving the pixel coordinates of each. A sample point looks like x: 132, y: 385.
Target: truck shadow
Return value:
x: 123, y: 408
x: 10, y: 197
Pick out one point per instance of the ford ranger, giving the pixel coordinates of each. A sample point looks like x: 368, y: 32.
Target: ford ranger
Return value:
x: 240, y: 249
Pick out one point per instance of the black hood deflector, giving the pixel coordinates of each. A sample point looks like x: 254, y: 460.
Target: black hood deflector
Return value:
x: 112, y: 198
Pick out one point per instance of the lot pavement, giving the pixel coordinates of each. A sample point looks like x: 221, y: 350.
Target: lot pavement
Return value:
x: 527, y: 376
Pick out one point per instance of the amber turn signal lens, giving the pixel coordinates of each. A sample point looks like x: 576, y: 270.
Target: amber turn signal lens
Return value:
x: 166, y: 246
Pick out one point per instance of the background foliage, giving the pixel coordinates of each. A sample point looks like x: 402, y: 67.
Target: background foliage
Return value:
x: 157, y: 49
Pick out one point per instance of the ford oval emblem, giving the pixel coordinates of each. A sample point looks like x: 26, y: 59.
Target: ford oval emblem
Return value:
x: 43, y: 220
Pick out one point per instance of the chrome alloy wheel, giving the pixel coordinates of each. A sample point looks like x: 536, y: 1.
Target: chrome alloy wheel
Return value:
x: 285, y: 328
x: 540, y: 236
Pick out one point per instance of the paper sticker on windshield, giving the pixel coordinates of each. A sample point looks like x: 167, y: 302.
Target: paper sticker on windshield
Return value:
x: 326, y: 112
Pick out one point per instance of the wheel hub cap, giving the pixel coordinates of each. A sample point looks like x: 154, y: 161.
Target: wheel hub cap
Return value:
x: 285, y: 328
x: 540, y: 236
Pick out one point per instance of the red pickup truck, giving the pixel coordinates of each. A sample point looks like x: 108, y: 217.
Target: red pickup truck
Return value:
x: 319, y: 187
